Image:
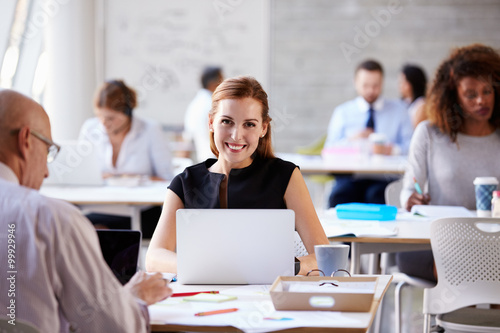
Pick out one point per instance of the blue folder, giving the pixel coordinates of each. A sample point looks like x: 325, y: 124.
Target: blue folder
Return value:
x: 366, y: 211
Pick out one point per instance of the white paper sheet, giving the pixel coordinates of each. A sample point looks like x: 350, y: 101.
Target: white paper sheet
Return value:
x: 441, y: 211
x: 343, y: 287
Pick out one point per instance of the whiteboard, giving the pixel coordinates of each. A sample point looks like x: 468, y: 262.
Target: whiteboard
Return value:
x: 160, y: 47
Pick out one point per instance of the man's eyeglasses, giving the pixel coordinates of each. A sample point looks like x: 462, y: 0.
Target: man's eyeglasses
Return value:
x: 53, y: 148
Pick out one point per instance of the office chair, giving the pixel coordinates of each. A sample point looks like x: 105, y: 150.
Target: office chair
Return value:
x: 20, y: 327
x: 317, y: 184
x: 392, y: 191
x: 391, y: 195
x: 298, y: 246
x: 466, y: 253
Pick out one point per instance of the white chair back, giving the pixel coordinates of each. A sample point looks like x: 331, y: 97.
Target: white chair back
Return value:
x: 392, y: 192
x: 300, y: 249
x: 467, y: 256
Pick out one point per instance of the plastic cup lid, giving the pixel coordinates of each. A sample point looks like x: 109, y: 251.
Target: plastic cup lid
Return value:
x: 486, y: 181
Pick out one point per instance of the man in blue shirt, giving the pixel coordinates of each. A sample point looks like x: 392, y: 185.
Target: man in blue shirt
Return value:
x: 356, y: 120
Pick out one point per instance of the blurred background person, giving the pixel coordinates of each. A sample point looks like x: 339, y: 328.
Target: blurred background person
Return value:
x: 412, y: 87
x: 127, y: 146
x: 196, y: 118
x: 458, y: 143
x: 354, y: 121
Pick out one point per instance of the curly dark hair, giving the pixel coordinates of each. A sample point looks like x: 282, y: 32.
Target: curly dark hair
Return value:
x: 442, y: 105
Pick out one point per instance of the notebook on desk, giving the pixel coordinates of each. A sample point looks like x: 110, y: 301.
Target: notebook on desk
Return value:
x: 76, y: 164
x: 120, y: 249
x: 234, y: 246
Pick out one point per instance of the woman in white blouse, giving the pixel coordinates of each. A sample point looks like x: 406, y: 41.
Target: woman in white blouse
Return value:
x: 127, y: 145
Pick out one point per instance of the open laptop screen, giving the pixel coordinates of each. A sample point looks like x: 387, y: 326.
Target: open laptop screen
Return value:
x: 120, y: 249
x: 234, y: 246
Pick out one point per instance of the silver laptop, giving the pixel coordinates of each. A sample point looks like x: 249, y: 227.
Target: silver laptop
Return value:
x: 76, y: 164
x: 234, y: 246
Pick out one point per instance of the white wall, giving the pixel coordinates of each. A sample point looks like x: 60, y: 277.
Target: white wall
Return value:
x: 161, y: 47
x: 69, y: 43
x: 310, y: 74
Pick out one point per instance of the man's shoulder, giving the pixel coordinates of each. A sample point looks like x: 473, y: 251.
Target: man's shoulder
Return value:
x: 49, y: 207
x: 395, y: 104
x: 347, y: 106
x: 55, y: 206
x: 201, y: 103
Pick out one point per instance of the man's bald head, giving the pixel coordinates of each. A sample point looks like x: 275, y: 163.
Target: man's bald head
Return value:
x: 17, y: 110
x: 19, y: 150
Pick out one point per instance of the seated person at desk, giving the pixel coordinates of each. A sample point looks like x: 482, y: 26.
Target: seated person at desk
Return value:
x: 196, y: 118
x: 355, y: 120
x: 127, y: 145
x: 245, y: 175
x: 412, y: 86
x: 62, y: 282
x: 457, y: 143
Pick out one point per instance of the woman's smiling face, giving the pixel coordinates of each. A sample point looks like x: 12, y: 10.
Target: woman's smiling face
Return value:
x: 237, y: 127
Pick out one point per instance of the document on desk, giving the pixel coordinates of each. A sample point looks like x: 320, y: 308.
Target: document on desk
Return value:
x: 435, y: 211
x: 326, y: 287
x: 335, y: 227
x: 256, y: 313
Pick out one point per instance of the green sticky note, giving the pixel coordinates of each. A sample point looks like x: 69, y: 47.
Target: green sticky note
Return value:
x: 203, y: 297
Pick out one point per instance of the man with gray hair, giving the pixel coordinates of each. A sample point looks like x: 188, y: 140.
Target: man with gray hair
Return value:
x: 57, y: 279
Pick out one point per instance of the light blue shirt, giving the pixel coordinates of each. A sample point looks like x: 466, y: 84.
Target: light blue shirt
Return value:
x: 391, y: 119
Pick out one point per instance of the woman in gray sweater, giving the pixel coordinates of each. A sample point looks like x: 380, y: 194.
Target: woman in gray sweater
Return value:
x: 459, y: 141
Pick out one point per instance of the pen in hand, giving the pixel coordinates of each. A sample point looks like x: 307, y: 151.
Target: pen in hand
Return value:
x: 208, y: 313
x: 417, y: 186
x: 193, y: 293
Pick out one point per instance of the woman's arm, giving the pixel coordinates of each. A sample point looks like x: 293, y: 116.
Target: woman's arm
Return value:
x: 307, y: 223
x: 417, y: 168
x: 161, y: 256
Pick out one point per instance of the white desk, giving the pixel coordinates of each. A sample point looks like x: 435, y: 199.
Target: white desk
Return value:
x: 347, y: 164
x: 412, y: 234
x: 117, y: 200
x: 254, y: 304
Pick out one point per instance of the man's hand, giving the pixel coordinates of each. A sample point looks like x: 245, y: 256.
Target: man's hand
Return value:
x: 364, y: 134
x: 149, y: 288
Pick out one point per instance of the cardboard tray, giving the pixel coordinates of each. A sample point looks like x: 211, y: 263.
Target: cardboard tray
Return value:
x: 326, y: 301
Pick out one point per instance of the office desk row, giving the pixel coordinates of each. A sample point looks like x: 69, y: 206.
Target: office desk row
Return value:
x: 129, y: 201
x: 347, y: 164
x: 256, y: 313
x: 412, y: 232
x: 115, y: 200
